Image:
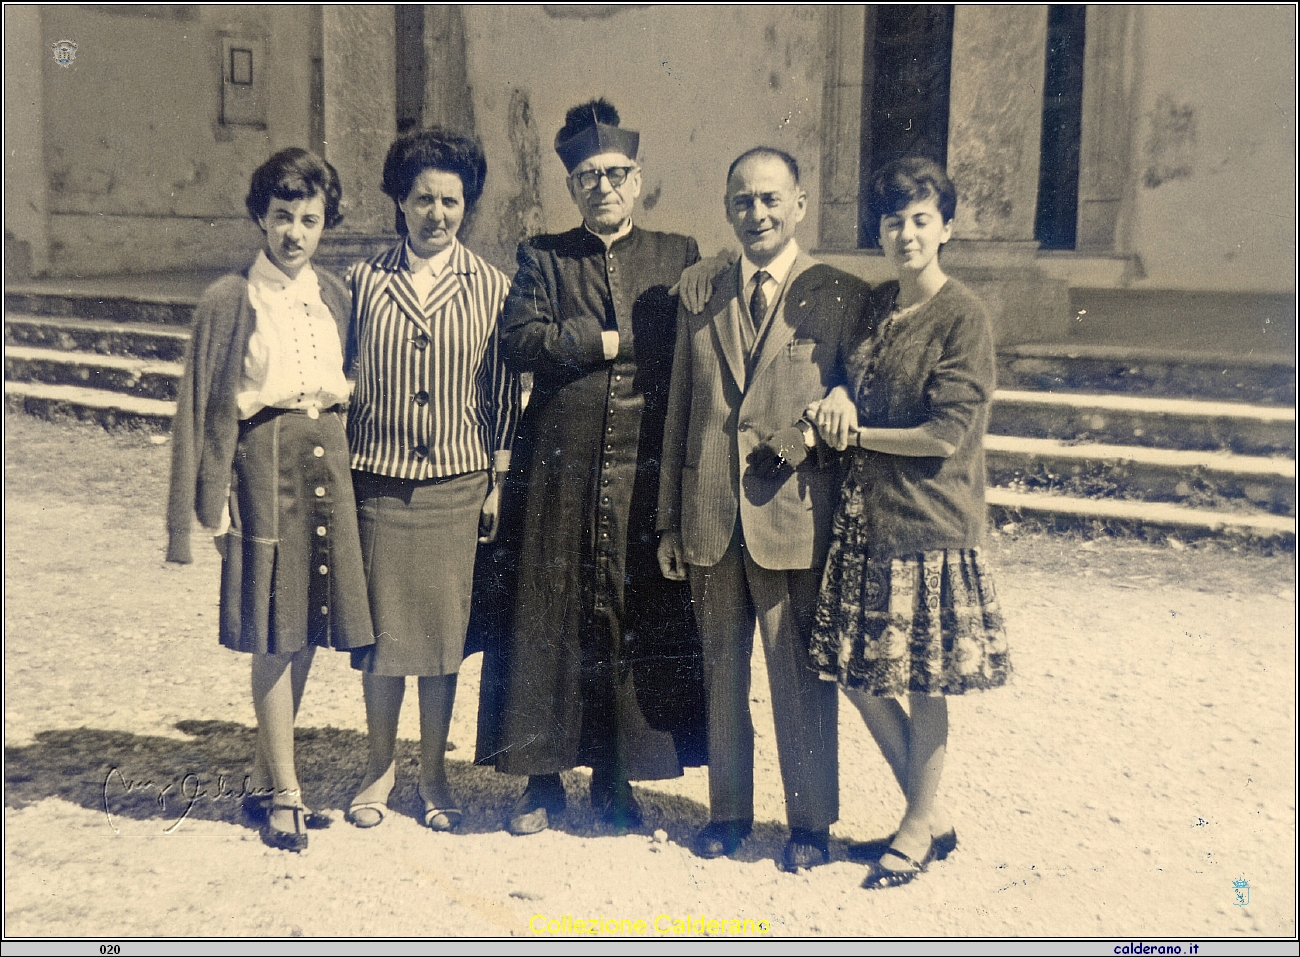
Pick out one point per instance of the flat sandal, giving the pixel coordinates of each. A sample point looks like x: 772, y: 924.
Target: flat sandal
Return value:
x: 295, y: 840
x: 879, y: 877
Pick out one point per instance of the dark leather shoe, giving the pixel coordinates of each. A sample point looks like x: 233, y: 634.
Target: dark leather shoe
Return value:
x: 541, y: 801
x: 615, y: 805
x: 805, y: 849
x: 721, y: 838
x: 622, y: 813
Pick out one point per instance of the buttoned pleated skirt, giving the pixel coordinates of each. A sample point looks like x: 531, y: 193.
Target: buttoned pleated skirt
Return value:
x: 419, y: 539
x: 293, y: 573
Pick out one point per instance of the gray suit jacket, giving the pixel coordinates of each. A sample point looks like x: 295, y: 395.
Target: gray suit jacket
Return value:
x: 721, y: 408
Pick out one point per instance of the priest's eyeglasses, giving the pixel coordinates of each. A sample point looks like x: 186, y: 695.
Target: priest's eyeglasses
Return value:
x: 617, y: 176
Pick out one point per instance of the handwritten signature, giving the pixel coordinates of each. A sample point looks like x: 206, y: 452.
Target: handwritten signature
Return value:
x: 190, y: 790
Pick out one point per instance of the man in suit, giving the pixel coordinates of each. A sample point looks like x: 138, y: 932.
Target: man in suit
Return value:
x: 745, y: 510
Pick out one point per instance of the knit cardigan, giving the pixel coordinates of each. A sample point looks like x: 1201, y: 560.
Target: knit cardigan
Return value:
x: 205, y: 430
x: 936, y: 370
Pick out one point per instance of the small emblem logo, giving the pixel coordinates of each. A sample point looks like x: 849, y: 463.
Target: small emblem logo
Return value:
x: 1242, y: 888
x: 65, y: 51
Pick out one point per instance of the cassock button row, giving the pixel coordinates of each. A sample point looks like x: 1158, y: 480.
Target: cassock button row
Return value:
x: 318, y: 451
x: 320, y: 530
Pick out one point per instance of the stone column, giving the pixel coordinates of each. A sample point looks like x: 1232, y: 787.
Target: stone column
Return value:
x: 842, y: 116
x: 360, y: 99
x: 994, y: 142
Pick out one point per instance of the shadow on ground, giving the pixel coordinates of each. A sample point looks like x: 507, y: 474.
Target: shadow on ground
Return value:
x: 141, y: 777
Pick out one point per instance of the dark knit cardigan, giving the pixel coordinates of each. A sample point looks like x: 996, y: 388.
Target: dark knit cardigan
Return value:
x: 936, y: 370
x: 206, y: 427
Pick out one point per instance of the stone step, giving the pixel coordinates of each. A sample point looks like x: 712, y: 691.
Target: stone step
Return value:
x: 145, y: 378
x: 140, y: 340
x: 168, y: 308
x: 1092, y: 470
x: 112, y: 410
x: 1138, y: 420
x: 1268, y: 380
x: 1117, y: 516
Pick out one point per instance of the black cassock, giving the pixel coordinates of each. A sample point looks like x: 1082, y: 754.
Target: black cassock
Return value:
x: 591, y: 655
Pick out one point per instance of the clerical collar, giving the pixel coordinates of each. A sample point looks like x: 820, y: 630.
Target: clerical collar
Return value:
x: 610, y: 239
x: 778, y: 268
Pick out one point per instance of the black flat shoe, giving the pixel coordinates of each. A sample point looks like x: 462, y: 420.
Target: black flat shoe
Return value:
x: 721, y: 838
x: 868, y: 851
x: 255, y: 809
x: 295, y: 840
x: 879, y: 877
x: 805, y: 849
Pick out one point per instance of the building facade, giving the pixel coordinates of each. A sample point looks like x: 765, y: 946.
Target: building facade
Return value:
x: 1134, y: 149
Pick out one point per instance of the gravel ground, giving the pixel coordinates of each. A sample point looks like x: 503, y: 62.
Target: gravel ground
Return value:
x: 1142, y: 759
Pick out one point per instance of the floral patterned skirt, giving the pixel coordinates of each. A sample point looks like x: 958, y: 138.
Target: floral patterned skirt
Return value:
x: 928, y: 622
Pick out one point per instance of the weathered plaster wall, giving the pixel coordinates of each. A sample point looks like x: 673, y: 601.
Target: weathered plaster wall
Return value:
x: 1214, y: 203
x: 702, y: 84
x: 142, y: 175
x: 26, y: 217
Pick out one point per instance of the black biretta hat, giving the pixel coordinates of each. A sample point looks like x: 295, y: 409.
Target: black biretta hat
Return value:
x: 594, y: 137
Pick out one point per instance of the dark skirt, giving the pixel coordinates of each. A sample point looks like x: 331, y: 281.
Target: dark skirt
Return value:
x: 292, y: 573
x: 927, y: 623
x: 418, y: 541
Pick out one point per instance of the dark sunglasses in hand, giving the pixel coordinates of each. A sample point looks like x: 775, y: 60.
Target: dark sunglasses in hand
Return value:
x: 617, y: 176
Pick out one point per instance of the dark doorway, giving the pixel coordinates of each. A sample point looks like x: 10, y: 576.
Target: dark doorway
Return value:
x: 410, y: 66
x: 908, y: 61
x: 1056, y: 223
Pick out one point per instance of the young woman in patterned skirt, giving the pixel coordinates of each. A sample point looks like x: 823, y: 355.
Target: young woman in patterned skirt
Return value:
x: 907, y: 606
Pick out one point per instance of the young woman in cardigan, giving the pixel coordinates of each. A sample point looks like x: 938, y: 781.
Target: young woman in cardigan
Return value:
x: 260, y: 455
x: 907, y: 606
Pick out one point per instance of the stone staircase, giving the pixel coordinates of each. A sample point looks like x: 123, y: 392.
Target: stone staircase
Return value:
x: 1121, y: 440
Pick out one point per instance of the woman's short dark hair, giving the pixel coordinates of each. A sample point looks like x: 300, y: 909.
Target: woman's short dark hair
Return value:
x: 435, y: 148
x: 898, y: 184
x: 290, y: 174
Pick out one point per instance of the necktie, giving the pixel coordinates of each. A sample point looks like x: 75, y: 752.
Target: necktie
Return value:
x: 758, y: 300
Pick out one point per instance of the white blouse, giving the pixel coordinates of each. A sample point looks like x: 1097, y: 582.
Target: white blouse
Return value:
x: 294, y: 358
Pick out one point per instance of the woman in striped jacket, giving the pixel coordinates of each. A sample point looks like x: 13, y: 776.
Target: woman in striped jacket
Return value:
x: 430, y: 428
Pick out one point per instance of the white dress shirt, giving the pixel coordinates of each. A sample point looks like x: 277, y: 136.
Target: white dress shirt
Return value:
x: 425, y: 272
x: 776, y: 270
x: 294, y: 358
